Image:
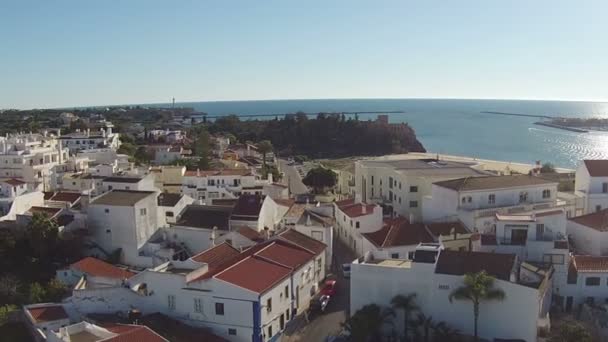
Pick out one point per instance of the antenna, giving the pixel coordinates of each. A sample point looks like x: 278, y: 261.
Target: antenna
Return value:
x: 173, y: 105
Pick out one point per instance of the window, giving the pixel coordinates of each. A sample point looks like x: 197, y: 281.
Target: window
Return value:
x: 286, y: 291
x: 413, y: 204
x: 282, y: 322
x: 464, y: 200
x: 604, y: 187
x: 547, y: 193
x: 357, y: 224
x: 469, y: 199
x: 287, y: 314
x: 491, y: 198
x: 171, y: 302
x: 110, y: 188
x: 127, y: 188
x: 399, y: 185
x: 219, y: 309
x: 554, y: 259
x: 108, y: 231
x: 394, y: 255
x: 232, y: 332
x: 169, y: 214
x: 198, y: 305
x: 390, y: 182
x: 410, y: 255
x: 319, y: 263
x: 142, y: 211
x: 351, y: 223
x: 107, y: 211
x: 413, y: 188
x: 598, y: 208
x: 270, y: 331
x: 523, y: 196
x: 399, y: 200
x: 269, y: 305
x: 372, y: 180
x: 592, y: 281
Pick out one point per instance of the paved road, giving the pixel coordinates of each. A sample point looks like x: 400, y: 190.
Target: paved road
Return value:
x: 328, y: 323
x: 293, y: 178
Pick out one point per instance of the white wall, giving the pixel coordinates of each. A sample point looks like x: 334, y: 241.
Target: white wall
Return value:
x: 588, y: 240
x: 23, y: 203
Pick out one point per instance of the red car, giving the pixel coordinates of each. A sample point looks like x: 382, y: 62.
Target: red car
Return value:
x: 329, y: 288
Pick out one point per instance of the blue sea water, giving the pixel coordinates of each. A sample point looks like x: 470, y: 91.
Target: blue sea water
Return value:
x: 458, y: 127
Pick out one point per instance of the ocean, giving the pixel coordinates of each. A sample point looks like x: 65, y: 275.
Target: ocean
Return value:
x: 458, y: 127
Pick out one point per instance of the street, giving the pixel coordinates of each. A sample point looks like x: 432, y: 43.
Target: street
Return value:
x: 328, y: 323
x: 292, y: 178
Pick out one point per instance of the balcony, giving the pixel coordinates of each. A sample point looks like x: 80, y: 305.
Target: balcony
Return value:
x: 513, y: 209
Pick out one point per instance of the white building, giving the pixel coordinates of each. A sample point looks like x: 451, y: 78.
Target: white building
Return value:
x: 475, y: 201
x: 400, y: 185
x: 95, y: 272
x: 139, y: 183
x: 88, y: 332
x: 31, y: 157
x: 170, y: 206
x: 591, y: 184
x: 518, y: 317
x: 589, y: 233
x: 207, y: 185
x: 240, y: 296
x: 90, y: 140
x: 44, y: 318
x: 124, y: 219
x: 171, y: 154
x: 586, y: 282
x: 354, y: 219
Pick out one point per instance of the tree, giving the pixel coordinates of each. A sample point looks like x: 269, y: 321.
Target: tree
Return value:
x: 42, y: 233
x: 202, y: 148
x: 478, y: 287
x: 264, y: 147
x: 367, y: 323
x: 9, y: 287
x: 547, y: 168
x: 408, y: 305
x: 320, y: 178
x: 444, y: 333
x: 37, y: 293
x: 422, y: 327
x: 142, y: 156
x: 572, y: 332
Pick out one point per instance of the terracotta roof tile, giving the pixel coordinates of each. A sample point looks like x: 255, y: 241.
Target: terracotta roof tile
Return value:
x: 303, y: 240
x: 14, y: 182
x: 492, y: 182
x: 99, y: 268
x: 597, y: 220
x: 48, y: 313
x: 284, y: 255
x: 459, y: 263
x: 345, y: 202
x: 399, y: 232
x: 64, y: 196
x: 215, y: 256
x: 134, y: 333
x: 248, y: 274
x: 250, y: 233
x: 597, y: 168
x: 357, y: 209
x: 591, y: 264
x: 225, y: 172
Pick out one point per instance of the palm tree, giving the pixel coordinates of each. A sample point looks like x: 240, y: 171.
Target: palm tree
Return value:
x: 422, y: 327
x: 408, y: 305
x: 367, y: 323
x: 478, y: 287
x: 444, y: 333
x: 264, y: 146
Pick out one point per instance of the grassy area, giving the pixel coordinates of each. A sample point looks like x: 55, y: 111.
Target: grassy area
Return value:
x: 15, y: 332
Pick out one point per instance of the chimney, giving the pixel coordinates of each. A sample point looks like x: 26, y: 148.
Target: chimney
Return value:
x: 411, y: 218
x: 358, y: 198
x: 198, y: 172
x: 363, y: 208
x: 270, y: 177
x: 308, y: 223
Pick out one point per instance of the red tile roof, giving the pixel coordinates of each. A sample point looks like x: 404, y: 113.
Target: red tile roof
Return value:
x: 14, y: 182
x: 48, y: 313
x: 225, y: 172
x: 216, y: 255
x: 304, y: 241
x: 99, y: 268
x: 399, y: 232
x: 459, y: 263
x: 250, y: 233
x: 357, y: 209
x: 70, y: 197
x: 50, y: 212
x: 597, y: 220
x: 597, y: 168
x: 287, y: 256
x: 591, y: 264
x: 254, y: 274
x: 133, y: 333
x: 345, y: 202
x: 445, y: 228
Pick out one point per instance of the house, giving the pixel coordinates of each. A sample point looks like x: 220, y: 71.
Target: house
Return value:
x: 589, y: 233
x: 475, y: 201
x: 125, y: 220
x: 16, y: 198
x: 259, y: 213
x: 208, y: 185
x: 434, y: 273
x: 355, y: 218
x: 85, y: 331
x: 314, y: 222
x: 144, y: 183
x: 171, y: 154
x: 83, y: 182
x: 169, y: 178
x: 591, y: 183
x: 397, y: 239
x: 400, y: 185
x: 170, y: 205
x: 43, y: 318
x: 587, y: 279
x: 96, y: 272
x: 87, y: 139
x: 198, y: 227
x: 239, y: 296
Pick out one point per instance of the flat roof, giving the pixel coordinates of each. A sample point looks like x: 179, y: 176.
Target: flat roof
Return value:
x: 493, y: 182
x: 124, y: 198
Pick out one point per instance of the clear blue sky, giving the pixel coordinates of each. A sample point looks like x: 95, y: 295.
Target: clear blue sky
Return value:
x: 71, y: 53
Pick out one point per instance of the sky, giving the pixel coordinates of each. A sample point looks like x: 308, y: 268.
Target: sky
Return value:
x: 78, y: 53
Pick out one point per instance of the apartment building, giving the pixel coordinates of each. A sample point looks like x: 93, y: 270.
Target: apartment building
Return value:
x: 103, y: 137
x: 207, y: 185
x: 399, y: 185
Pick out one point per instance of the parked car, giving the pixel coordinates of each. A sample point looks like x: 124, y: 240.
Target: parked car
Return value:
x: 346, y: 270
x: 329, y: 288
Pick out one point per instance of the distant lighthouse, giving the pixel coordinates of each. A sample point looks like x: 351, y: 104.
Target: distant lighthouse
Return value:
x: 173, y: 105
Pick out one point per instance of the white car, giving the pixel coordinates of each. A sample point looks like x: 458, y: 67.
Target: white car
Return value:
x: 346, y: 270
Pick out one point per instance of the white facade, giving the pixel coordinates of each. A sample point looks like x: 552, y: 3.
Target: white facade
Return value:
x: 593, y: 190
x: 87, y: 140
x: 205, y: 186
x: 588, y: 239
